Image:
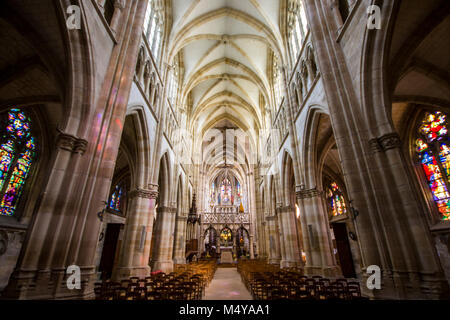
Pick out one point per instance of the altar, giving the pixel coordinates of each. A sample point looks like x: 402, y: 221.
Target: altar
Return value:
x: 226, y: 255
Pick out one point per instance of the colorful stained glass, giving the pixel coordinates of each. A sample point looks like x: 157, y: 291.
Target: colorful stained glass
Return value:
x: 444, y: 156
x: 17, y: 152
x: 421, y: 145
x: 225, y: 191
x: 115, y: 201
x: 434, y: 126
x: 435, y: 159
x: 436, y: 182
x: 336, y: 200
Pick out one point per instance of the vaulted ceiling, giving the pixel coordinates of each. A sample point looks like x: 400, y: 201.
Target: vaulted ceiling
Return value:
x: 225, y: 48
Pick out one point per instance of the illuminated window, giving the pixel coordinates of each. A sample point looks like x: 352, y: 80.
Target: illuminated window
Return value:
x: 432, y: 147
x: 154, y: 26
x: 225, y: 191
x: 298, y: 27
x: 116, y: 199
x: 336, y: 200
x: 17, y: 153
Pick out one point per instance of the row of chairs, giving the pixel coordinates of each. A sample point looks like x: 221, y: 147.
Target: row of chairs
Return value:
x: 187, y: 282
x: 268, y: 282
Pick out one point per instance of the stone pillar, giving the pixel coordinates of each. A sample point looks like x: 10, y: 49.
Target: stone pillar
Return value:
x: 263, y: 245
x: 267, y: 236
x: 135, y: 251
x: 316, y: 235
x: 252, y: 253
x: 35, y: 275
x: 291, y: 255
x: 201, y: 245
x: 274, y: 240
x: 179, y: 246
x: 280, y: 233
x: 162, y: 254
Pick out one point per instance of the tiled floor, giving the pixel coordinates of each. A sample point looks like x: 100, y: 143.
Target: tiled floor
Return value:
x: 227, y: 285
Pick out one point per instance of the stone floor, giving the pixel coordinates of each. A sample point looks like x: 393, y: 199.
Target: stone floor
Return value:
x: 227, y: 285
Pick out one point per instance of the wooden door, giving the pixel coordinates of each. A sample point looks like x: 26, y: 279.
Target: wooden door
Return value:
x: 343, y: 249
x: 109, y: 250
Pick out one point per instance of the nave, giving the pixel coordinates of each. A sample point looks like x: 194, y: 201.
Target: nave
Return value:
x: 147, y: 144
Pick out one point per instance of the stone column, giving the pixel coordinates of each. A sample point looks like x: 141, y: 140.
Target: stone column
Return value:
x: 201, y: 246
x: 274, y: 240
x: 179, y: 246
x: 280, y: 233
x: 135, y: 251
x: 46, y: 243
x: 162, y: 255
x: 252, y: 253
x: 291, y: 257
x: 267, y: 236
x: 316, y: 235
x: 263, y: 240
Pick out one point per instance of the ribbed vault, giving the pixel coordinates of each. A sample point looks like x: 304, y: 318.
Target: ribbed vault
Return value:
x: 225, y: 48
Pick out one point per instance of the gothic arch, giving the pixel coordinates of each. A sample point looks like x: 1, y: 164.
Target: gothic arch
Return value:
x: 164, y: 180
x: 143, y: 145
x: 288, y: 178
x: 309, y: 147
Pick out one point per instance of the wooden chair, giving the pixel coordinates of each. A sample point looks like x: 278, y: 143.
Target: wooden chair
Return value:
x: 353, y: 290
x: 153, y: 296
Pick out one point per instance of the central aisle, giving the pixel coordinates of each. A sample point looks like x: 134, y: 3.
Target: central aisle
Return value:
x: 227, y: 285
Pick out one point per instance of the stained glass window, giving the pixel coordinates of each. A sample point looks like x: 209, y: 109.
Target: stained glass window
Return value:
x: 336, y: 200
x: 225, y: 191
x: 17, y: 152
x: 432, y: 147
x: 116, y: 199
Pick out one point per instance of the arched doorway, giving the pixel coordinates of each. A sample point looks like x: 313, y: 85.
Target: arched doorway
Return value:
x: 226, y: 237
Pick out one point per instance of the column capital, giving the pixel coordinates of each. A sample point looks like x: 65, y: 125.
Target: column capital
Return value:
x: 308, y: 193
x: 65, y: 141
x: 71, y: 143
x: 143, y: 193
x: 374, y: 145
x: 167, y: 209
x: 390, y: 141
x: 284, y: 209
x: 385, y: 142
